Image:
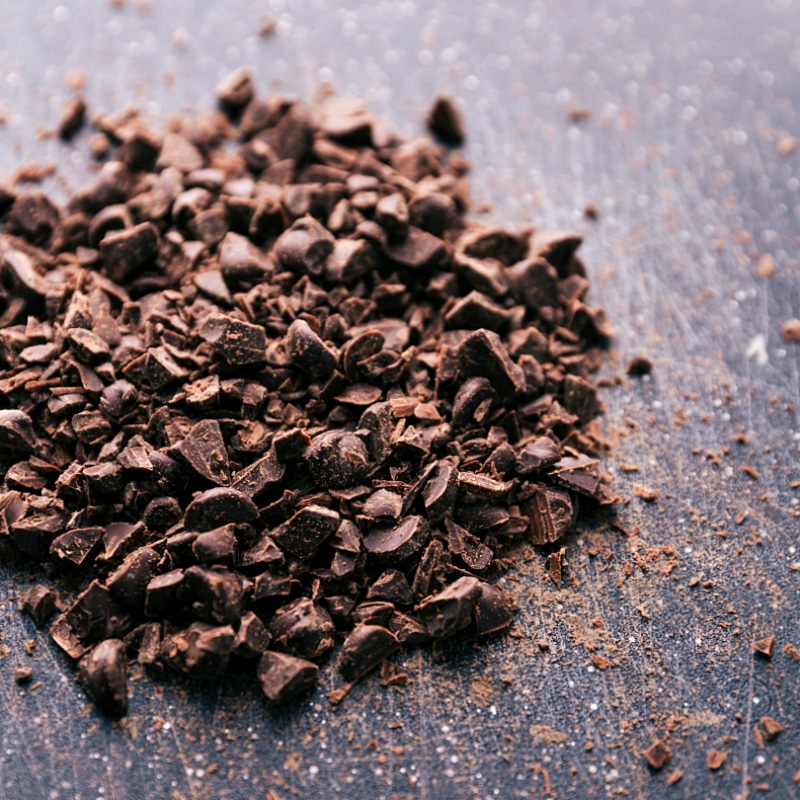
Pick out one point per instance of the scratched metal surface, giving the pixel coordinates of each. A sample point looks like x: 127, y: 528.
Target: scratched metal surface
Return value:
x: 688, y: 101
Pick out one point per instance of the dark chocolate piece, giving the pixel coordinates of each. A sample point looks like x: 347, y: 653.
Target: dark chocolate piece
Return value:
x: 305, y: 247
x: 550, y: 512
x: 451, y: 609
x: 364, y: 649
x: 129, y: 582
x: 482, y: 355
x: 394, y: 544
x: 103, y: 673
x: 538, y: 455
x: 201, y: 651
x: 238, y: 342
x: 444, y: 121
x: 307, y: 530
x: 130, y: 251
x: 494, y: 609
x: 39, y: 602
x: 252, y: 638
x: 219, y: 506
x: 302, y: 628
x: 218, y: 594
x: 204, y: 450
x: 308, y: 352
x: 284, y: 677
x: 337, y: 459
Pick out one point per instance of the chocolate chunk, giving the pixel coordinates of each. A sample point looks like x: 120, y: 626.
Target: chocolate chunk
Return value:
x: 236, y: 89
x: 482, y: 354
x: 219, y: 594
x: 119, y: 539
x: 268, y: 586
x: 364, y: 649
x: 238, y: 342
x: 639, y: 365
x: 473, y: 402
x: 97, y: 615
x: 397, y: 543
x: 418, y: 250
x: 485, y: 275
x: 308, y: 352
x: 337, y: 459
x: 302, y: 628
x: 74, y: 548
x: 63, y: 635
x: 252, y: 638
x: 581, y: 474
x: 217, y: 546
x: 350, y: 258
x: 39, y: 602
x: 219, y: 506
x: 538, y: 455
x: 200, y: 651
x: 130, y: 251
x: 87, y: 346
x: 144, y: 641
x: 204, y: 451
x: 178, y: 152
x: 240, y: 260
x: 162, y: 594
x: 444, y: 120
x: 391, y: 213
x: 550, y: 514
x: 103, y: 673
x: 72, y: 116
x: 307, y: 530
x: 482, y: 486
x: 305, y: 247
x: 119, y: 398
x: 34, y: 216
x: 451, y: 609
x: 556, y: 247
x: 161, y: 513
x: 391, y: 585
x: 494, y: 609
x: 284, y: 678
x: 129, y: 582
x: 476, y: 310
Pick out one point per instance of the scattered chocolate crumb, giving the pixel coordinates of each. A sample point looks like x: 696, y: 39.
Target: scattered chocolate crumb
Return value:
x: 715, y: 759
x: 23, y: 675
x: 791, y: 330
x: 72, y: 117
x: 639, y: 365
x: 658, y: 754
x: 674, y: 777
x: 268, y: 26
x: 771, y: 727
x: 444, y: 120
x: 750, y: 470
x: 579, y: 115
x: 766, y: 266
x: 646, y: 493
x: 591, y: 211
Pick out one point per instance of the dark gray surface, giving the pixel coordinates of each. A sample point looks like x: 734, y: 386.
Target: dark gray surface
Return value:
x: 688, y: 102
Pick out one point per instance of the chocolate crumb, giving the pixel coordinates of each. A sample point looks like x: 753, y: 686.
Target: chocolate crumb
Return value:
x: 657, y: 755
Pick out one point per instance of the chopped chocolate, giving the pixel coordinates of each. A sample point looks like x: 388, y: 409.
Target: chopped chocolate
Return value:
x: 72, y: 116
x: 266, y: 386
x: 639, y: 365
x: 23, y: 675
x: 103, y: 673
x: 658, y: 755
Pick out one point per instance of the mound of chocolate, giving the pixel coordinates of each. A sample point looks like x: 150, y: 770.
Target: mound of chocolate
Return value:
x: 263, y: 389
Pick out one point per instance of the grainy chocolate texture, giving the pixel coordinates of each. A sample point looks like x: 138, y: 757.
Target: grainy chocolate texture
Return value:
x: 265, y: 390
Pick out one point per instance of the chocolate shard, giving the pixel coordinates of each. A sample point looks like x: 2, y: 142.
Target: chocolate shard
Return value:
x: 392, y: 586
x: 161, y: 513
x: 218, y: 594
x: 579, y: 473
x: 473, y: 402
x: 305, y: 247
x: 130, y: 251
x: 103, y: 673
x: 267, y: 586
x: 451, y: 609
x: 200, y: 651
x: 418, y: 250
x: 364, y: 649
x: 308, y: 352
x: 129, y: 582
x: 204, y: 451
x: 494, y: 609
x: 63, y: 635
x: 350, y: 259
x: 337, y: 459
x: 87, y: 346
x: 302, y: 628
x: 444, y: 120
x: 538, y: 455
x: 241, y: 260
x: 284, y: 677
x: 218, y: 506
x: 440, y: 491
x: 476, y: 310
x: 394, y: 544
x: 237, y: 341
x: 39, y: 602
x: 482, y: 486
x: 482, y: 354
x: 377, y: 612
x: 252, y: 638
x: 144, y: 642
x: 75, y: 547
x: 72, y: 117
x: 408, y: 630
x: 307, y: 530
x: 476, y: 555
x: 534, y: 283
x: 550, y: 514
x: 391, y: 213
x: 262, y: 475
x: 17, y: 437
x: 263, y: 553
x: 375, y: 427
x: 97, y: 615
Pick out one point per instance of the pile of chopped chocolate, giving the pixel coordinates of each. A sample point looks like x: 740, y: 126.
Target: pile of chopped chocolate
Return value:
x: 264, y: 388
